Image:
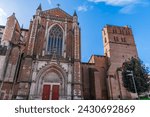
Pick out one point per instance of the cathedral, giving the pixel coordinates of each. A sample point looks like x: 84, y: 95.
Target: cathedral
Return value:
x: 44, y: 61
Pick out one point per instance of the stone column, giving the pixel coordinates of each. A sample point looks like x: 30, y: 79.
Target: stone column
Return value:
x: 65, y: 38
x: 77, y: 82
x: 69, y: 84
x: 33, y: 81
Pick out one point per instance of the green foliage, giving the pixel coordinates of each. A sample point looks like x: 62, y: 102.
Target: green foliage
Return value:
x: 144, y: 98
x: 140, y: 74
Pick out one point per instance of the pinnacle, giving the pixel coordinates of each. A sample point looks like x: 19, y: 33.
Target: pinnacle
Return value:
x: 39, y: 7
x: 75, y: 14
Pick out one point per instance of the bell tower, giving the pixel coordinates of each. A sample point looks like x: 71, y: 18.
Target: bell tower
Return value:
x: 119, y: 46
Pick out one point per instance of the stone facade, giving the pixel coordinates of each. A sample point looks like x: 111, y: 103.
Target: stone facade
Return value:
x: 44, y: 61
x: 119, y: 46
x: 94, y: 75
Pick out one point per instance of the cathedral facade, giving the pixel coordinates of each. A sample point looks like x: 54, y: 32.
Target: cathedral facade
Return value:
x: 44, y: 61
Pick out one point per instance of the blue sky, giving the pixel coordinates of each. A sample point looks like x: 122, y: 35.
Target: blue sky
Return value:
x: 93, y: 16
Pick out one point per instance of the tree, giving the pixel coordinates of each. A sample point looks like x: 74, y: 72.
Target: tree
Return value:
x: 134, y: 71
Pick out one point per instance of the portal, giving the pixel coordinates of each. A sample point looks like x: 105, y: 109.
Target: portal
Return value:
x: 50, y: 92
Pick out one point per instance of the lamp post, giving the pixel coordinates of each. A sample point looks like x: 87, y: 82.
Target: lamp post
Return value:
x: 131, y: 74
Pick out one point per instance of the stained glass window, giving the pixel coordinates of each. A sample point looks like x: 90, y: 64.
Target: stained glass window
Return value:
x: 55, y: 40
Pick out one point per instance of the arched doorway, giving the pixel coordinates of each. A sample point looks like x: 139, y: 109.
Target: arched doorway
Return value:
x: 51, y: 83
x: 51, y: 86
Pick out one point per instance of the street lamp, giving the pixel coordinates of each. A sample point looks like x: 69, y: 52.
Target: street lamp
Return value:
x: 131, y: 74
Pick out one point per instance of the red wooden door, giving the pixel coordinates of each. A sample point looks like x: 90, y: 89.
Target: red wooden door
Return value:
x: 55, y: 92
x: 46, y: 92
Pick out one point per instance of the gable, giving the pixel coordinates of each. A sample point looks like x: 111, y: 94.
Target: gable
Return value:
x: 57, y: 12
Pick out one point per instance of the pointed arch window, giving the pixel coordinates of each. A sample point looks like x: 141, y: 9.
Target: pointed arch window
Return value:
x: 55, y: 40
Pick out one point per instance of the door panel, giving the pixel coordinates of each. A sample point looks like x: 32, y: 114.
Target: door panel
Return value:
x: 46, y: 92
x: 55, y: 92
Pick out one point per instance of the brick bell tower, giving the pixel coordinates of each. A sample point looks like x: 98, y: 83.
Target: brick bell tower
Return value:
x: 51, y: 68
x: 119, y: 46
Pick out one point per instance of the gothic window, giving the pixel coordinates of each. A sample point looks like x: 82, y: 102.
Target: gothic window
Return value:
x: 123, y: 39
x: 121, y: 31
x: 55, y: 41
x: 116, y: 39
x: 114, y: 30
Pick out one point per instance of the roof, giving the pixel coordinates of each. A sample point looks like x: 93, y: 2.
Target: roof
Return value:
x: 96, y: 56
x: 109, y: 25
x: 56, y: 12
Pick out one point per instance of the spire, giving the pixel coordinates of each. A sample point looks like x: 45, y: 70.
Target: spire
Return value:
x: 39, y: 7
x: 75, y: 17
x: 75, y: 14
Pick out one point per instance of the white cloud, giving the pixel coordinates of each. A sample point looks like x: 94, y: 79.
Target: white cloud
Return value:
x: 117, y: 2
x: 127, y: 9
x: 127, y: 6
x: 50, y: 2
x: 83, y: 8
x: 3, y: 16
x: 2, y: 12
